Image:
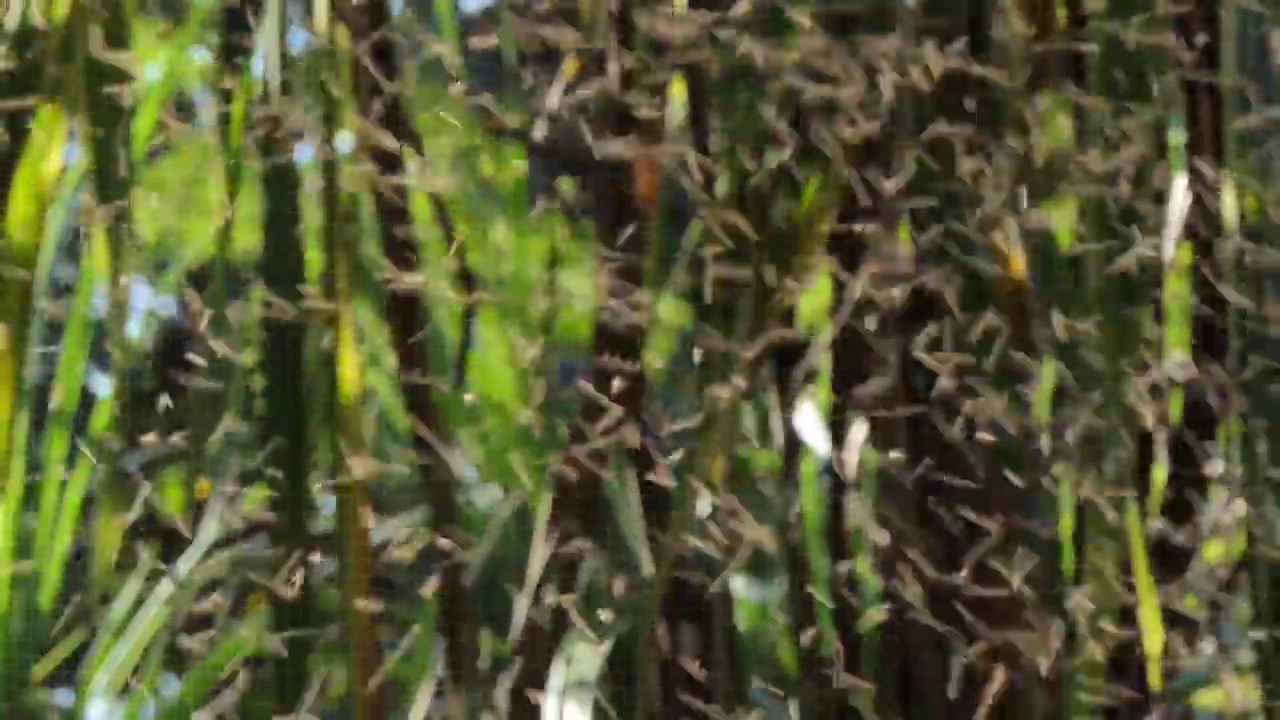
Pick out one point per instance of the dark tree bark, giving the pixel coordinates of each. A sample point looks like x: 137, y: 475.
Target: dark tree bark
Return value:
x: 861, y: 359
x: 286, y: 428
x: 1253, y: 158
x: 381, y: 103
x: 927, y: 490
x: 579, y: 507
x: 952, y: 510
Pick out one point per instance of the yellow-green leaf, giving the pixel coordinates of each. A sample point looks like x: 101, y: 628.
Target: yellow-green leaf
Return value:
x: 1150, y: 618
x: 34, y: 183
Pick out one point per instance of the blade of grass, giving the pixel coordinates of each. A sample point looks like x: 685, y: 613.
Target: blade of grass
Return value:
x: 122, y: 656
x: 1150, y: 615
x: 69, y: 517
x: 110, y: 622
x: 68, y: 383
x: 35, y: 182
x: 36, y: 177
x: 112, y: 181
x: 199, y: 682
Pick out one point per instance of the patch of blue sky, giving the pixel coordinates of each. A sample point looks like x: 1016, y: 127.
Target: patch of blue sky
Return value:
x: 344, y: 142
x: 304, y: 153
x: 298, y: 39
x: 99, y: 382
x: 206, y: 105
x: 197, y: 54
x: 200, y: 54
x: 153, y: 71
x: 73, y: 149
x: 466, y: 7
x: 145, y: 301
x: 100, y: 708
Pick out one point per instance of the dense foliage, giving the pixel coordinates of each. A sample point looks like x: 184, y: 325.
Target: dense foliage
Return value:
x: 524, y: 359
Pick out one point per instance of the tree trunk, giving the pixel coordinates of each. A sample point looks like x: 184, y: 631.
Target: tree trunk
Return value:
x: 579, y: 506
x: 376, y: 69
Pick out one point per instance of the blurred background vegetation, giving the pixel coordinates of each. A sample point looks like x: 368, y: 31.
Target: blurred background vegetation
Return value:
x: 815, y: 359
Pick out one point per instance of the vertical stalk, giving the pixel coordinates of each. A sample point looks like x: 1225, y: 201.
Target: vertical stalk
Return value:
x: 867, y: 218
x: 944, y: 678
x: 696, y: 615
x: 20, y: 251
x: 379, y: 95
x: 1255, y: 173
x: 364, y: 651
x: 208, y: 409
x: 286, y: 428
x: 31, y: 164
x: 1069, y: 287
x: 112, y: 181
x: 345, y: 392
x: 1031, y: 271
x: 618, y: 187
x: 1125, y: 77
x: 1205, y: 396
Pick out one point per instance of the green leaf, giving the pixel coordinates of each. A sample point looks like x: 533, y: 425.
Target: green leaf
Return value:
x: 493, y: 366
x: 122, y: 656
x: 574, y: 676
x: 243, y: 641
x: 813, y: 309
x: 1150, y: 616
x: 165, y: 74
x: 34, y: 183
x: 1177, y: 301
x: 1063, y: 212
x: 1042, y: 407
